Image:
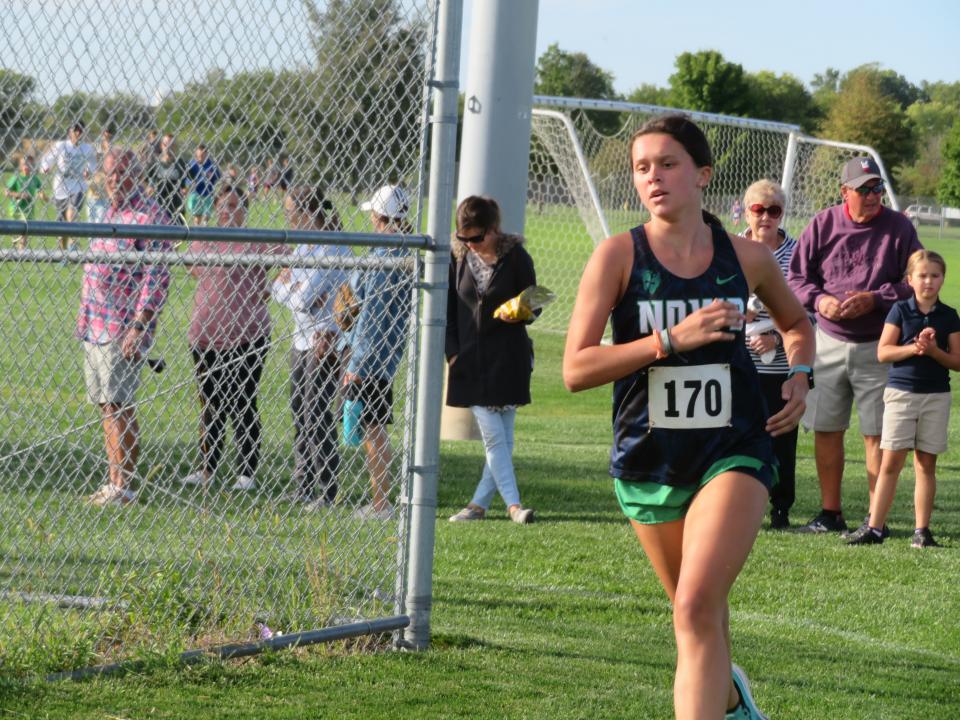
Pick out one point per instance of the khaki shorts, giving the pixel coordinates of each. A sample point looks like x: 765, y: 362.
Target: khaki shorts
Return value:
x: 846, y: 373
x: 110, y: 377
x: 915, y: 421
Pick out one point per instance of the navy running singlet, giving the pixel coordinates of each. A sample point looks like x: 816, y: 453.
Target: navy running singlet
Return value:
x: 675, y: 418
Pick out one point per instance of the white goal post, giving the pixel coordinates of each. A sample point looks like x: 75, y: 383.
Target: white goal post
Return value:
x: 580, y: 190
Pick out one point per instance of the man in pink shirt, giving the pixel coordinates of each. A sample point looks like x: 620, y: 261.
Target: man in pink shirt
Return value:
x: 119, y: 306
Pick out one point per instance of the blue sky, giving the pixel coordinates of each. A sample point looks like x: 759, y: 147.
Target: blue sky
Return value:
x: 638, y: 41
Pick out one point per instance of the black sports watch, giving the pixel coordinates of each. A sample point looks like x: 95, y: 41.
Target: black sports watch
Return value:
x: 802, y: 369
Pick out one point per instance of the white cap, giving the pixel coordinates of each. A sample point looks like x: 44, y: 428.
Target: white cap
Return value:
x: 390, y: 201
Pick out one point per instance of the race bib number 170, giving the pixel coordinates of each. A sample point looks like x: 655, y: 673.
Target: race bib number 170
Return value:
x: 689, y: 397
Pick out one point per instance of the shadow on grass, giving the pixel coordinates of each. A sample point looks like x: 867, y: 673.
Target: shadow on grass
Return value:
x: 558, y: 490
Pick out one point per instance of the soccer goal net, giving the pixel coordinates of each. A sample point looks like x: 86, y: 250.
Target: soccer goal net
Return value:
x: 580, y: 187
x: 173, y: 473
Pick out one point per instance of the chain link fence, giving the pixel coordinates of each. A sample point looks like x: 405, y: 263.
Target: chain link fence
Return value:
x: 580, y: 187
x: 225, y: 504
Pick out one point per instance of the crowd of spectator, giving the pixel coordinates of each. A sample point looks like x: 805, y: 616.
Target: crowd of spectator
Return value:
x: 185, y: 188
x: 849, y: 268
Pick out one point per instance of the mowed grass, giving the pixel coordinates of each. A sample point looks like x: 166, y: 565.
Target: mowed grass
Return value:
x: 565, y: 619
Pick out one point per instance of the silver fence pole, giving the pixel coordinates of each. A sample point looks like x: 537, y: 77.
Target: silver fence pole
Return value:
x: 426, y: 452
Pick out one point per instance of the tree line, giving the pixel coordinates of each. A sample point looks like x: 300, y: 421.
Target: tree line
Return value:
x: 360, y: 91
x: 350, y: 115
x: 913, y: 127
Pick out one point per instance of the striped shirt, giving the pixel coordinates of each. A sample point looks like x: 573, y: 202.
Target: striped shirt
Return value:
x: 779, y: 365
x: 112, y: 296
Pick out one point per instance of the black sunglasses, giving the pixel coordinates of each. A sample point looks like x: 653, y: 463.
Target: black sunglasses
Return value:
x: 865, y: 190
x: 774, y: 211
x: 472, y: 238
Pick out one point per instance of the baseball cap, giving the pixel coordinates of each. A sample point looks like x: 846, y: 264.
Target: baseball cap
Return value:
x: 857, y: 171
x: 390, y: 201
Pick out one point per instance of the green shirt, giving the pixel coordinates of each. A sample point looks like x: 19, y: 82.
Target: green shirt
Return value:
x: 29, y: 184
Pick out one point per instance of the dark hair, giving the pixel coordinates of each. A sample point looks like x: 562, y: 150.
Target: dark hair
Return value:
x: 684, y: 131
x: 481, y: 213
x: 78, y: 126
x: 311, y: 200
x: 201, y: 146
x: 227, y: 188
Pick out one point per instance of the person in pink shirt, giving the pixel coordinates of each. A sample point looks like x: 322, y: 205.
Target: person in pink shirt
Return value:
x: 229, y: 337
x: 119, y: 305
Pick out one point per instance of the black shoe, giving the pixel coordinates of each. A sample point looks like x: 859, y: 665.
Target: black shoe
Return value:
x: 923, y: 538
x: 884, y: 531
x: 779, y: 520
x: 824, y: 523
x: 864, y: 535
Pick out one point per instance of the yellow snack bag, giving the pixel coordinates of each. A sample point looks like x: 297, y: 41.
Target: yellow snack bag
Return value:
x: 523, y: 306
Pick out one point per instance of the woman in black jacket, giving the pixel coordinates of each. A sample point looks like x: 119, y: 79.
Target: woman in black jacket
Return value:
x: 490, y: 360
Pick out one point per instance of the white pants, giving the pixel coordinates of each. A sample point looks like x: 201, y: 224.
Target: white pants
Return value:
x: 498, y: 475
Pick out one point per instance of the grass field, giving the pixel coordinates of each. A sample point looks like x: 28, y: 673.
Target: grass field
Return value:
x: 565, y: 619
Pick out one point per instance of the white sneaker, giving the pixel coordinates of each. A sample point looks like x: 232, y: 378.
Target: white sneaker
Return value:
x: 244, y: 483
x: 196, y: 478
x: 521, y: 515
x: 111, y: 495
x: 368, y: 512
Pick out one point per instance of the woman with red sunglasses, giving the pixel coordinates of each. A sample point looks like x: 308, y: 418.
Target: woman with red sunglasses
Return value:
x: 765, y: 201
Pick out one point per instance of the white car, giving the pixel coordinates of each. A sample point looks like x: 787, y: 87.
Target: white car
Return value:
x: 922, y: 213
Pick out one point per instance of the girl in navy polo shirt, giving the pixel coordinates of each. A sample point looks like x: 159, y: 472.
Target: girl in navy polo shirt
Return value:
x: 921, y: 337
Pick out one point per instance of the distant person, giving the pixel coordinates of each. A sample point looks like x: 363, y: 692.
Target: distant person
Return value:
x: 692, y: 459
x: 376, y: 344
x: 72, y: 162
x: 203, y: 174
x: 282, y: 175
x: 736, y: 213
x: 848, y: 268
x: 167, y: 178
x: 490, y: 360
x: 316, y: 355
x: 229, y: 338
x: 921, y: 338
x: 97, y: 198
x: 150, y: 148
x: 22, y: 190
x: 764, y: 201
x: 119, y: 307
x: 233, y: 176
x: 253, y: 181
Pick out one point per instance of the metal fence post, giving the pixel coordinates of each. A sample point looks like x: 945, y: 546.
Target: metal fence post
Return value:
x: 426, y: 454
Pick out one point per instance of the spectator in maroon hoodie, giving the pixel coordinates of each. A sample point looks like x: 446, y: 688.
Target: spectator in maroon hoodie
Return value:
x: 848, y: 268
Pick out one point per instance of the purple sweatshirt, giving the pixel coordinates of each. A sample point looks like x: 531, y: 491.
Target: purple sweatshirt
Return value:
x: 835, y: 254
